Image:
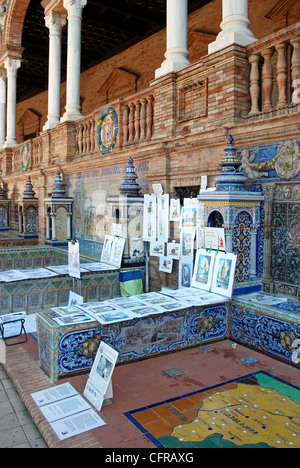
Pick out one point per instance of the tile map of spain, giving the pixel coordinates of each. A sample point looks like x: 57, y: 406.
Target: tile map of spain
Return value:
x: 257, y: 410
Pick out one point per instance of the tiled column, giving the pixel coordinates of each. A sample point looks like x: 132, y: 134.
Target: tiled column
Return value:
x: 266, y: 277
x: 2, y: 107
x: 235, y: 26
x: 177, y: 53
x: 74, y: 8
x: 54, y: 22
x: 11, y: 66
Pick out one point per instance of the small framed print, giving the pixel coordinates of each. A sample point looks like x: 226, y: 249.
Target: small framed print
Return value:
x: 157, y: 248
x: 223, y: 275
x: 149, y: 217
x: 174, y: 209
x: 173, y: 250
x: 166, y: 264
x: 185, y: 274
x: 203, y: 269
x: 163, y: 217
x: 187, y: 237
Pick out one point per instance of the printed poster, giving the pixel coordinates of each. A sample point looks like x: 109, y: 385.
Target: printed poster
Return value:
x: 100, y: 376
x: 163, y: 217
x: 149, y: 217
x: 73, y: 259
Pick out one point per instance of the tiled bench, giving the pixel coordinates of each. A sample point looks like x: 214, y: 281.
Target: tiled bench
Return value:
x: 264, y: 328
x: 70, y: 350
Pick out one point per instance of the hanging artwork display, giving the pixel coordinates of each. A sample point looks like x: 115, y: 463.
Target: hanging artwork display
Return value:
x: 157, y: 248
x: 187, y: 237
x: 223, y: 275
x: 73, y: 259
x: 213, y: 270
x: 203, y: 269
x: 214, y: 238
x: 200, y: 229
x: 185, y: 274
x: 174, y: 209
x: 188, y: 217
x: 149, y: 217
x: 173, y: 250
x: 165, y: 264
x: 107, y: 130
x: 163, y: 217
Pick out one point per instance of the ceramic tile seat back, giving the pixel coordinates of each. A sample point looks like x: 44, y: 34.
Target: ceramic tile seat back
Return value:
x: 36, y: 294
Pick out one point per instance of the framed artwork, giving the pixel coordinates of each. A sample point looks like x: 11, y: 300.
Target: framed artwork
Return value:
x: 173, y: 250
x: 188, y: 217
x: 157, y: 248
x: 223, y: 275
x: 166, y: 264
x: 174, y: 209
x: 185, y: 274
x: 200, y: 237
x: 203, y: 269
x: 187, y: 237
x: 163, y: 217
x: 149, y: 217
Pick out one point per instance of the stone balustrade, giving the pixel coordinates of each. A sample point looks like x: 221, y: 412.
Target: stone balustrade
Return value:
x: 138, y: 118
x: 275, y: 71
x: 86, y: 135
x: 135, y: 120
x: 34, y: 154
x: 203, y: 96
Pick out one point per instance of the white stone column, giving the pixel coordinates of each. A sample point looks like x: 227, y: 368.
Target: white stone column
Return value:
x: 74, y: 8
x: 177, y: 53
x: 235, y: 26
x: 69, y: 225
x: 54, y: 23
x: 11, y: 66
x: 53, y: 224
x: 2, y: 107
x: 48, y: 226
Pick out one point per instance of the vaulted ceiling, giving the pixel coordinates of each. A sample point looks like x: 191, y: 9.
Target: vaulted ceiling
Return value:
x: 108, y: 27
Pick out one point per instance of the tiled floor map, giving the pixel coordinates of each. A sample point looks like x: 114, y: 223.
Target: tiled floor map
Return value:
x: 257, y: 410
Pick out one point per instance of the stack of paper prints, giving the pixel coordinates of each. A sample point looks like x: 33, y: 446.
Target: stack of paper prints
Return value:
x: 38, y: 273
x: 129, y: 308
x: 69, y: 315
x: 264, y: 299
x: 64, y: 269
x: 195, y: 297
x: 98, y: 266
x: 20, y: 275
x: 67, y: 412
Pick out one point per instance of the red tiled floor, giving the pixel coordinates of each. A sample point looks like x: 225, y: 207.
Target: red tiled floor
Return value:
x: 140, y: 384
